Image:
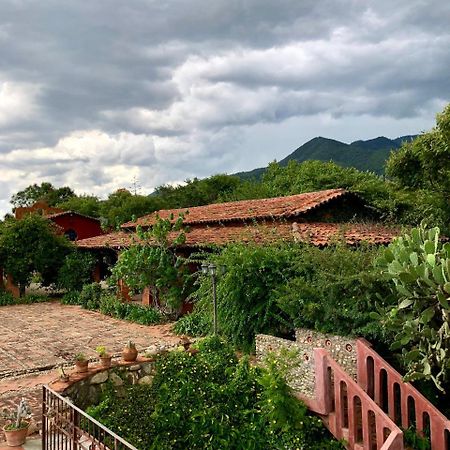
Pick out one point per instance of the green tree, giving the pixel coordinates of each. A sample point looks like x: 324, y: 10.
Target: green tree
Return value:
x: 76, y: 271
x: 197, y: 192
x: 44, y: 192
x: 424, y: 163
x: 32, y: 245
x: 122, y: 206
x: 88, y: 205
x: 421, y: 169
x: 152, y: 261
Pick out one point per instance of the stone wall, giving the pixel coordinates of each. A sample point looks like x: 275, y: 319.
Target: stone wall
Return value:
x: 84, y: 389
x: 301, y: 377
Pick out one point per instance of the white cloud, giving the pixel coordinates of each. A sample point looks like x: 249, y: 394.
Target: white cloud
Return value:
x: 18, y: 102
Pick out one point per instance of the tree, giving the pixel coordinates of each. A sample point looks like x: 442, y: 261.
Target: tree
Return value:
x: 76, y: 271
x: 45, y: 192
x: 424, y: 163
x: 152, y: 261
x: 122, y: 206
x: 197, y: 192
x: 88, y: 205
x: 32, y: 245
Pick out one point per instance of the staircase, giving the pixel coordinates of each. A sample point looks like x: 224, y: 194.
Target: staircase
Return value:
x: 368, y: 413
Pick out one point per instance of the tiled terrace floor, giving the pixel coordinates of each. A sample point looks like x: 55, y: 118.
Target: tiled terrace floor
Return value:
x: 40, y: 336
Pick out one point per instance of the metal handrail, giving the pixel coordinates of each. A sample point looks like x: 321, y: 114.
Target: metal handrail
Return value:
x: 82, y: 413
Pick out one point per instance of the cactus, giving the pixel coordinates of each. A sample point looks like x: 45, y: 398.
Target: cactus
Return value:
x: 17, y: 417
x: 418, y: 264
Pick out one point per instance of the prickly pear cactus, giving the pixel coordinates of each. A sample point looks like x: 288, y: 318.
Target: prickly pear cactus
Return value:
x: 418, y: 264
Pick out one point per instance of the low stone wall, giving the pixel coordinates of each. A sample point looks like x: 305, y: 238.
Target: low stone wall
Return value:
x: 301, y: 377
x: 84, y: 389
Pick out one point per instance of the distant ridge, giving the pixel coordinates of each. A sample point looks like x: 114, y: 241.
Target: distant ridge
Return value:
x: 363, y: 155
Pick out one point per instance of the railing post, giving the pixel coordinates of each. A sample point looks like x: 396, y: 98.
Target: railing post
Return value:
x: 322, y: 385
x: 76, y: 423
x: 44, y: 419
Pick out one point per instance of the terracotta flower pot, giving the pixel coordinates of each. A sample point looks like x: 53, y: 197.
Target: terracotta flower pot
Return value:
x: 129, y: 354
x: 81, y: 366
x: 105, y: 361
x: 15, y: 438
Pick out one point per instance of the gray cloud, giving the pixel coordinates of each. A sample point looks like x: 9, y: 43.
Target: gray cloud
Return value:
x: 94, y: 93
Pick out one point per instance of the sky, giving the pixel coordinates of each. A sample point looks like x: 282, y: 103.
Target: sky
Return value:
x: 99, y: 95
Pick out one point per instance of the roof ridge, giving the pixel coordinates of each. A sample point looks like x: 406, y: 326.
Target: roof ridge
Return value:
x: 333, y: 193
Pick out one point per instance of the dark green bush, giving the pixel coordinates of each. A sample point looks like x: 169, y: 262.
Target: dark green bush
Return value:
x: 212, y: 401
x: 90, y: 296
x: 196, y: 323
x: 142, y: 314
x: 6, y: 298
x: 76, y: 271
x: 71, y: 298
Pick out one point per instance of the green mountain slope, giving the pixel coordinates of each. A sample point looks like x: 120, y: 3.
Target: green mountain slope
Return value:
x: 364, y: 155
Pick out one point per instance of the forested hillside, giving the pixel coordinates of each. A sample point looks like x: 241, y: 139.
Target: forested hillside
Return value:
x: 363, y: 155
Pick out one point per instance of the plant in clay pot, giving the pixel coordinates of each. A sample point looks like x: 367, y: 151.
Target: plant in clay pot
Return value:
x: 81, y: 362
x: 17, y: 423
x: 105, y: 357
x: 129, y: 352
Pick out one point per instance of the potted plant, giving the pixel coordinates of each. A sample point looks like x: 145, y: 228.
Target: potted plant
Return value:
x: 81, y: 362
x: 105, y: 357
x: 129, y: 352
x: 17, y: 423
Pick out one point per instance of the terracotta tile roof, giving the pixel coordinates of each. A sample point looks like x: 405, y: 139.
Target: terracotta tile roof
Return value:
x: 278, y: 207
x: 319, y: 234
x: 65, y: 213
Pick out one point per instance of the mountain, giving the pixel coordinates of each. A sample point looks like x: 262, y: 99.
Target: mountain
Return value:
x: 364, y: 155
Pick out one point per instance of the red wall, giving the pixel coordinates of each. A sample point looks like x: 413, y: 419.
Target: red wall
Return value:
x: 83, y: 226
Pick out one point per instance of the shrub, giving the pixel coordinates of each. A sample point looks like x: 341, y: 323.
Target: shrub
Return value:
x: 76, y: 271
x: 6, y: 298
x: 90, y: 296
x: 142, y: 314
x: 71, y: 298
x: 212, y: 401
x: 197, y: 323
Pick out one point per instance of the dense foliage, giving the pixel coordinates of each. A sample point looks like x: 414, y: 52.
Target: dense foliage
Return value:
x: 418, y: 264
x: 93, y: 297
x: 7, y: 299
x: 152, y: 261
x: 32, y: 245
x: 44, y: 192
x: 274, y: 289
x: 212, y: 401
x: 76, y: 271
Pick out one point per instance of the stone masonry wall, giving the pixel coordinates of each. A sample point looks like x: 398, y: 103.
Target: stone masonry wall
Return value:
x: 301, y: 377
x: 84, y: 389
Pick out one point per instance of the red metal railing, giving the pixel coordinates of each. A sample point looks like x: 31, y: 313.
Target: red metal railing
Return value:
x: 350, y: 414
x: 404, y: 404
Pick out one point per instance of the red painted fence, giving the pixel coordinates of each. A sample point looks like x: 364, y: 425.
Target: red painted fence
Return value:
x: 349, y: 412
x: 404, y: 404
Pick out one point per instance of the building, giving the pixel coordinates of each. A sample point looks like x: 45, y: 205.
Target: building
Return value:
x: 318, y: 218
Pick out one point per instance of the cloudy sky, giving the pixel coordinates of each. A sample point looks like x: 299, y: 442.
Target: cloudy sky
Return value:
x: 96, y: 93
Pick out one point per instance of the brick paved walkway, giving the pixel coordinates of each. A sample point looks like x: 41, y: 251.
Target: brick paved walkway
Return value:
x: 36, y: 338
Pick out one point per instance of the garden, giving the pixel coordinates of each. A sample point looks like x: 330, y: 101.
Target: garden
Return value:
x: 397, y: 297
